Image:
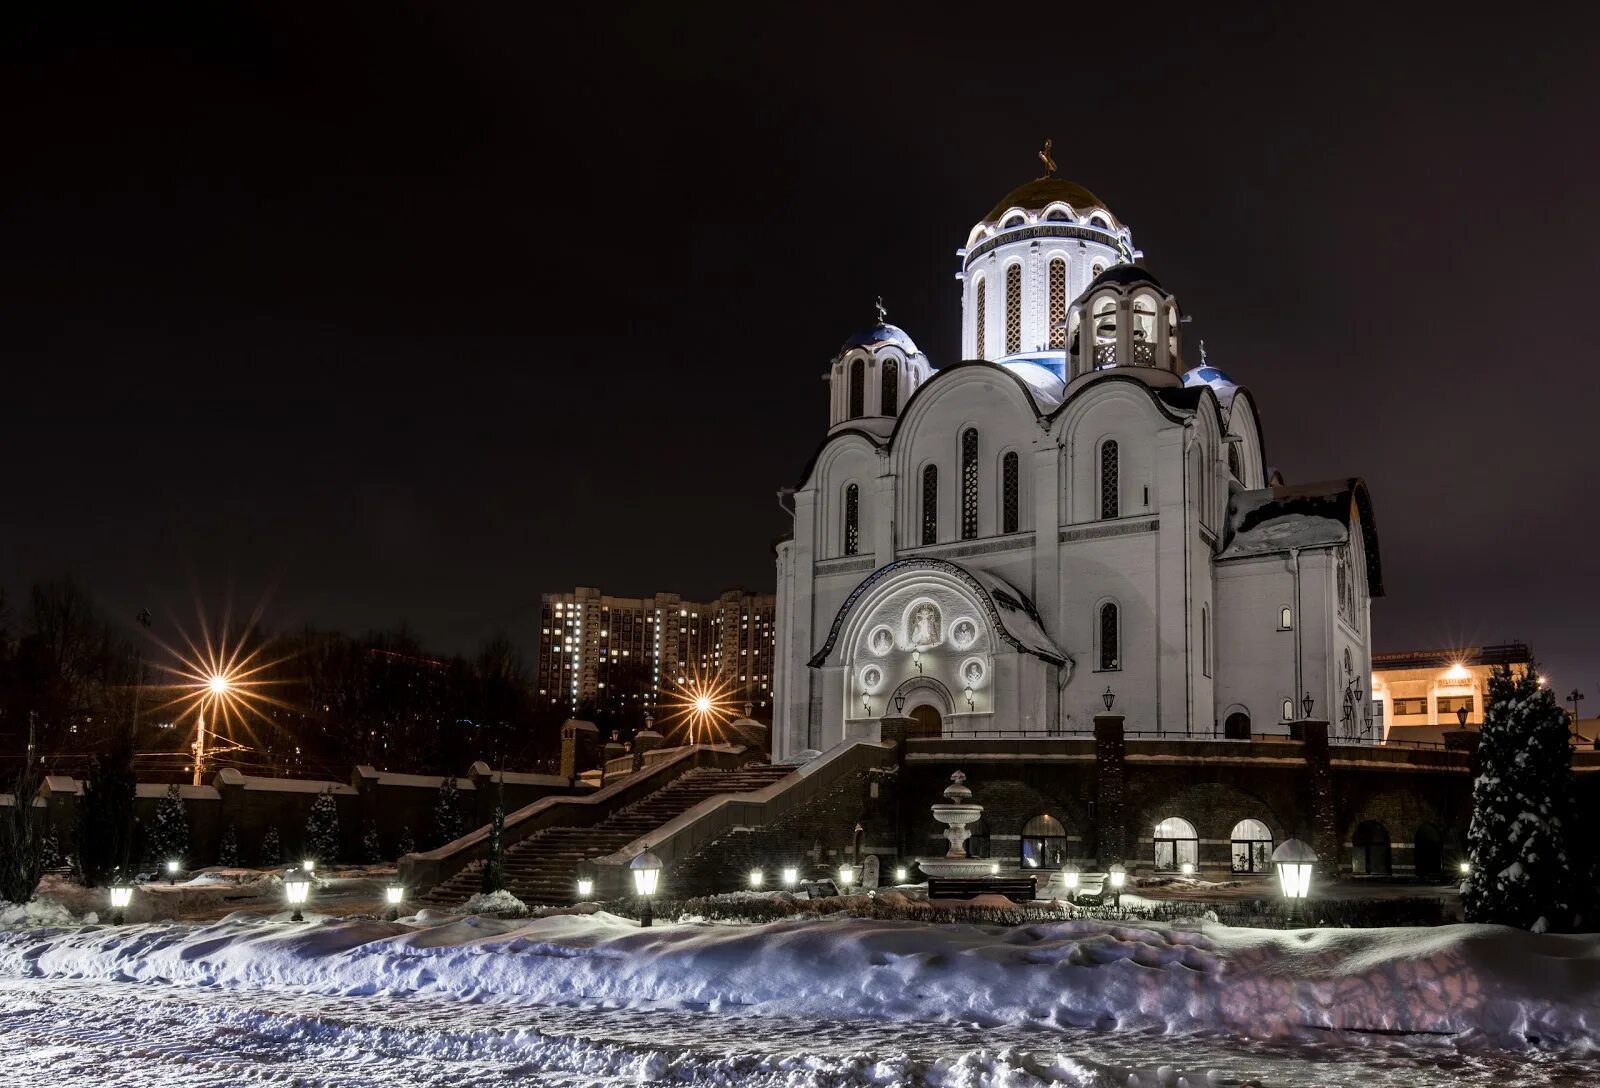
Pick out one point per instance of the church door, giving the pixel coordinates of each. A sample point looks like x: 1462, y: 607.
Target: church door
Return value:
x: 926, y: 721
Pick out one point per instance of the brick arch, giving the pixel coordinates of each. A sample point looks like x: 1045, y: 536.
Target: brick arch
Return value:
x: 1213, y: 808
x: 1401, y: 812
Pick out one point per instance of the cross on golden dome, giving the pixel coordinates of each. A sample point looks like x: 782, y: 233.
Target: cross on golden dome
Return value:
x: 1049, y: 163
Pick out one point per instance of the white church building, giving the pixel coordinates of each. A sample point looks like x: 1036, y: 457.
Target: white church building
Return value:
x: 1070, y: 519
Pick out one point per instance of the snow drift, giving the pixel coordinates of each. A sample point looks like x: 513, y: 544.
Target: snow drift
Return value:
x: 1485, y: 984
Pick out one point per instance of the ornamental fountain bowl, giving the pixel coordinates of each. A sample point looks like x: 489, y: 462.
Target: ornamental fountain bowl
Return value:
x: 956, y: 864
x: 955, y: 868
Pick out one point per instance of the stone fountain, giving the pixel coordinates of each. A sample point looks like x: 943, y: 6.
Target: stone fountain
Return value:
x: 956, y: 813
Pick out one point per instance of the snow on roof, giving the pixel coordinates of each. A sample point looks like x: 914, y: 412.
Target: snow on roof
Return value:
x: 1018, y: 616
x: 188, y: 793
x: 1275, y: 519
x: 422, y: 781
x: 232, y: 776
x: 1047, y: 388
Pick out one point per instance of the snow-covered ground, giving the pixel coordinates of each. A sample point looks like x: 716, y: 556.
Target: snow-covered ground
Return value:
x: 594, y: 999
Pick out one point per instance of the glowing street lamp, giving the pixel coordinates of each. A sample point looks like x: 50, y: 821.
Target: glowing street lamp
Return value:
x: 309, y: 865
x: 791, y: 876
x: 994, y: 868
x: 1466, y: 868
x: 646, y: 870
x: 585, y: 875
x: 1069, y: 881
x: 394, y: 894
x: 174, y: 866
x: 1294, y: 861
x: 1118, y: 875
x: 847, y: 876
x: 121, y: 896
x: 901, y: 876
x: 1187, y: 868
x: 296, y: 887
x: 1108, y: 698
x: 757, y: 877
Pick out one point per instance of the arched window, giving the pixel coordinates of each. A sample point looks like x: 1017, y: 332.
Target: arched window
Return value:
x: 1044, y: 843
x: 1058, y: 302
x: 858, y: 388
x: 930, y: 505
x: 1013, y: 309
x: 1252, y: 847
x: 1177, y: 844
x: 1110, y: 638
x: 1144, y: 320
x: 981, y: 324
x: 1057, y: 215
x: 889, y: 392
x: 1110, y: 481
x: 1010, y: 494
x: 1205, y: 639
x: 1094, y: 273
x: 1288, y: 710
x: 1285, y: 618
x: 969, y: 483
x: 852, y: 519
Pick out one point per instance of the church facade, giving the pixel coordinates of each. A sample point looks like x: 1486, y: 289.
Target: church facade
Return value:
x: 1071, y: 519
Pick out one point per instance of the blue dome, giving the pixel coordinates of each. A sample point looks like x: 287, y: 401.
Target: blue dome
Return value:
x: 881, y: 334
x: 1222, y: 385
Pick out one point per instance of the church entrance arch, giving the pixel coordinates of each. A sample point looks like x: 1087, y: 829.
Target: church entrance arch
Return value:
x: 927, y: 702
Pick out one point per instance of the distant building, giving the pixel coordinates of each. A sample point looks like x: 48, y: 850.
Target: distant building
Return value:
x: 621, y: 653
x: 1418, y: 695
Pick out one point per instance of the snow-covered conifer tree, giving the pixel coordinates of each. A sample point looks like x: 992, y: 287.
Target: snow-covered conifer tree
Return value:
x: 1522, y: 871
x: 228, y: 847
x: 371, y: 846
x: 447, y: 812
x: 322, y: 828
x: 271, y: 848
x: 494, y: 869
x: 169, y: 831
x: 407, y: 843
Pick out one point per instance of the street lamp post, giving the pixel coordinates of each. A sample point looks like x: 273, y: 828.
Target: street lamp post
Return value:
x: 1069, y: 881
x: 393, y: 894
x: 790, y: 875
x: 1294, y: 861
x: 646, y: 870
x: 1306, y: 703
x: 121, y: 896
x: 1118, y: 875
x: 296, y: 888
x: 1108, y: 698
x: 757, y: 878
x: 847, y: 876
x: 1461, y: 715
x: 173, y: 866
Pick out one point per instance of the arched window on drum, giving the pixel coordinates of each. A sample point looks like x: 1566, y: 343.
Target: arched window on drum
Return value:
x: 1044, y: 843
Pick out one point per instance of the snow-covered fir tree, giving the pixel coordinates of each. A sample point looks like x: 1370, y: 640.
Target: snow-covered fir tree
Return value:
x: 228, y: 848
x: 407, y: 843
x: 447, y: 812
x: 322, y: 828
x: 271, y: 848
x: 169, y: 831
x: 21, y: 841
x: 1522, y: 870
x: 50, y: 850
x: 371, y: 846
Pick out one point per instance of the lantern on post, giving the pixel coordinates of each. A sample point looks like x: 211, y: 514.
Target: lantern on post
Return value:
x: 1294, y: 861
x: 173, y: 866
x: 296, y: 889
x: 1108, y: 698
x: 790, y: 875
x: 646, y: 869
x: 847, y: 876
x: 1118, y: 876
x: 586, y: 873
x: 1306, y: 703
x: 757, y: 878
x: 121, y: 896
x: 1069, y: 881
x: 394, y: 894
x: 901, y: 874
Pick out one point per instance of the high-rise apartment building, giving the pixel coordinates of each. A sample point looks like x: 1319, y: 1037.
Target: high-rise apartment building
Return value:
x: 619, y: 653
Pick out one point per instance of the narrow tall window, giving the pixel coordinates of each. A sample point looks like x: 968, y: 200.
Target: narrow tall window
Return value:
x: 1110, y: 637
x: 1013, y: 309
x: 1110, y: 471
x: 982, y: 323
x: 930, y: 505
x: 1205, y: 639
x: 852, y: 520
x: 889, y: 393
x: 969, y: 483
x: 858, y: 388
x: 1010, y: 494
x: 1233, y: 461
x: 1058, y: 302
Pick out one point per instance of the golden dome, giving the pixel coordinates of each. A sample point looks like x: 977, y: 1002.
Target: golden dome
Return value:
x: 1036, y: 195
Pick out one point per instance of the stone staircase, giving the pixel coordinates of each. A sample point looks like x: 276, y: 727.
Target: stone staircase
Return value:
x: 542, y: 869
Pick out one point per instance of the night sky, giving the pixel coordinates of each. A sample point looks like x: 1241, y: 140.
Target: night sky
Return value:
x: 401, y: 312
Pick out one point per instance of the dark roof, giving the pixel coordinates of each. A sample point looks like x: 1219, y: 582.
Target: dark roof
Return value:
x: 1124, y: 275
x: 881, y: 333
x: 1506, y: 653
x: 1040, y: 193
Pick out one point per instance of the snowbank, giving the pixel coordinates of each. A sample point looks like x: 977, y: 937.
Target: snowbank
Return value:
x: 1486, y: 985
